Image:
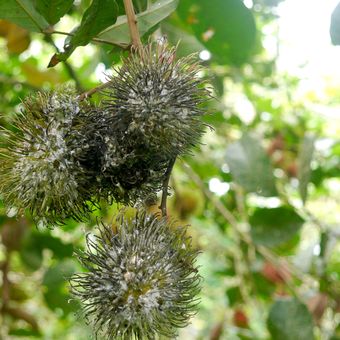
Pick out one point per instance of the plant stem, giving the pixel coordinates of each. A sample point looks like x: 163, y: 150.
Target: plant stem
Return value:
x: 89, y: 93
x: 165, y: 187
x: 132, y: 22
x: 229, y: 217
x: 23, y: 315
x: 135, y: 38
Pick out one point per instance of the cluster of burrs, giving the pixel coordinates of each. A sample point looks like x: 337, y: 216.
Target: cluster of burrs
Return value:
x: 64, y: 155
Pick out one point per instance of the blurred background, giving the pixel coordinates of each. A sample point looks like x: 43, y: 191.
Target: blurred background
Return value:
x: 261, y: 193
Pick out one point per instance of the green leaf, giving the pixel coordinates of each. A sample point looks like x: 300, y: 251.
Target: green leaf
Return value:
x: 335, y: 26
x: 119, y: 34
x: 250, y: 166
x: 289, y: 319
x: 53, y: 10
x: 58, y: 274
x: 60, y: 249
x: 234, y: 296
x: 35, y: 242
x: 30, y: 254
x: 24, y: 332
x: 138, y: 5
x: 100, y: 15
x: 274, y: 226
x: 188, y: 42
x: 55, y: 283
x: 225, y: 27
x: 23, y: 13
x: 304, y: 161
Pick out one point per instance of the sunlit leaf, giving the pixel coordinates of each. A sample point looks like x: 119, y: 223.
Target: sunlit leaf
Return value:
x: 274, y: 226
x: 5, y: 27
x: 23, y: 13
x: 18, y: 40
x: 250, y: 166
x: 119, y: 34
x: 289, y: 319
x: 38, y: 78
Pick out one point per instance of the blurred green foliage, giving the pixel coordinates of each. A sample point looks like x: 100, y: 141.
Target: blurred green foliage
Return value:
x: 261, y: 192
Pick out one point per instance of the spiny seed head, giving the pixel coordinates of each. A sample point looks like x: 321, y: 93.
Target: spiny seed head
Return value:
x: 156, y: 101
x: 39, y: 167
x: 153, y: 107
x: 141, y: 279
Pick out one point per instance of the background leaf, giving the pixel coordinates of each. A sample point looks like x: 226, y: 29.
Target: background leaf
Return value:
x: 55, y: 279
x: 100, y: 14
x: 35, y: 242
x: 18, y: 39
x: 188, y: 42
x: 274, y: 226
x: 272, y: 97
x: 119, y: 34
x: 138, y: 5
x: 335, y: 26
x: 304, y: 164
x: 225, y: 27
x: 53, y: 10
x: 23, y: 13
x: 289, y: 319
x: 250, y: 166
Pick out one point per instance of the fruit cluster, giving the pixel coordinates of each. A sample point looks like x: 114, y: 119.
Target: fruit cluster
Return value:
x: 65, y: 154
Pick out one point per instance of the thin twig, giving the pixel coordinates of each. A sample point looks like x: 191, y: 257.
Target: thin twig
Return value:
x: 165, y: 187
x: 240, y: 267
x: 218, y: 205
x: 21, y: 314
x: 132, y: 22
x: 265, y: 252
x: 89, y: 93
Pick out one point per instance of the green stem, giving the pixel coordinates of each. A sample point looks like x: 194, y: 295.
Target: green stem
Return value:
x: 165, y: 187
